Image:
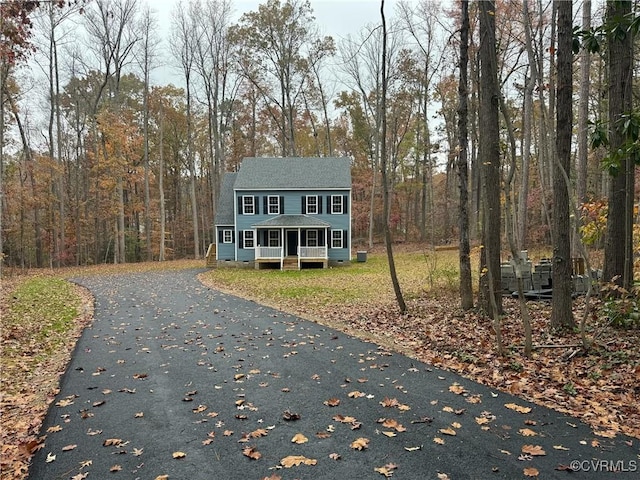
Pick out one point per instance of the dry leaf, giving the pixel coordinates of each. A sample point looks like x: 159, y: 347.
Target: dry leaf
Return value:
x: 299, y: 438
x: 518, y: 408
x: 252, y: 453
x: 389, y: 434
x: 112, y: 442
x: 527, y: 432
x: 335, y: 456
x: 295, y: 460
x: 560, y: 447
x: 332, y: 402
x: 360, y: 443
x: 457, y: 389
x: 178, y: 454
x: 531, y: 472
x: 162, y: 477
x: 413, y: 449
x: 387, y: 470
x: 115, y: 468
x: 448, y: 431
x: 55, y: 428
x: 438, y: 440
x: 533, y: 450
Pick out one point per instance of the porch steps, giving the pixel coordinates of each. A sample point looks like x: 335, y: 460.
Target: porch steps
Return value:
x: 290, y: 263
x: 211, y: 256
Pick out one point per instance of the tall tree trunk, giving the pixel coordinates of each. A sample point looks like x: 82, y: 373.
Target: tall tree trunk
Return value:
x: 583, y: 110
x: 466, y: 289
x: 489, y: 159
x: 161, y: 256
x: 561, y: 312
x: 383, y: 167
x: 618, y: 250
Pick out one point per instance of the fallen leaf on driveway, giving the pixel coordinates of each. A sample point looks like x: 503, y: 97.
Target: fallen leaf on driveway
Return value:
x: 179, y: 455
x: 517, y: 408
x: 533, y: 450
x: 68, y: 447
x: 252, y: 453
x: 387, y: 470
x: 295, y: 460
x: 360, y: 443
x: 531, y: 472
x: 299, y: 438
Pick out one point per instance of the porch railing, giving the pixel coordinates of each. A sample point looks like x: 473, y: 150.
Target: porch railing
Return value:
x: 312, y: 252
x: 276, y: 253
x: 268, y: 252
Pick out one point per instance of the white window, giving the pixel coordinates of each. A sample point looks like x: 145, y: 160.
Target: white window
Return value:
x: 248, y: 205
x: 312, y: 238
x: 249, y: 239
x: 336, y: 204
x: 274, y: 238
x: 336, y: 238
x: 312, y: 204
x: 227, y: 236
x: 273, y: 202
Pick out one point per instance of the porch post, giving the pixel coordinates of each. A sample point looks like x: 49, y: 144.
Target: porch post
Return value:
x: 282, y: 242
x: 298, y: 247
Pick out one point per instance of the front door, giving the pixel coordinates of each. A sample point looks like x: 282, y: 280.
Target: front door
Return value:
x: 292, y: 243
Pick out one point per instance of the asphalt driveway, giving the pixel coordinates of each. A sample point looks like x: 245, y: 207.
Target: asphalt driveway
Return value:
x: 175, y: 379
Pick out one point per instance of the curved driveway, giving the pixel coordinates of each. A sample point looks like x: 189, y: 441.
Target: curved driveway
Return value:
x: 171, y: 368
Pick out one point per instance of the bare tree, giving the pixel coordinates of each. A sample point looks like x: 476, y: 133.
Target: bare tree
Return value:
x: 383, y: 166
x: 466, y: 289
x: 184, y: 50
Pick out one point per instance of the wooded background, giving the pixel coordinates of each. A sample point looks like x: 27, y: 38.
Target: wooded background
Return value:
x: 100, y: 165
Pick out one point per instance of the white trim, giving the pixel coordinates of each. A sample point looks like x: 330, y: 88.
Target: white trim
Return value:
x: 341, y: 232
x: 245, y: 205
x: 315, y: 205
x: 244, y: 239
x: 277, y: 205
x: 225, y: 232
x: 341, y: 210
x: 317, y: 238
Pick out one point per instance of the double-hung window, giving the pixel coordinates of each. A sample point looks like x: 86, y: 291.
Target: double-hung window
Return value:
x: 312, y: 204
x: 274, y: 238
x: 336, y: 238
x: 248, y: 205
x: 227, y: 236
x: 273, y: 204
x: 312, y: 238
x: 336, y: 204
x: 249, y: 239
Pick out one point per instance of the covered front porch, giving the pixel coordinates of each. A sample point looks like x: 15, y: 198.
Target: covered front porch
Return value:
x: 292, y: 242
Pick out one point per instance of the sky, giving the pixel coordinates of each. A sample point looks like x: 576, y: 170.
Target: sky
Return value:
x: 336, y: 18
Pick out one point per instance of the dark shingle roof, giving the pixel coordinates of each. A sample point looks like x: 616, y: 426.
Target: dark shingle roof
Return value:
x: 294, y: 173
x: 224, y: 210
x: 292, y: 221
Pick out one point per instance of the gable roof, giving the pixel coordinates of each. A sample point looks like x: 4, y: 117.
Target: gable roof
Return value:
x: 294, y: 173
x: 224, y: 209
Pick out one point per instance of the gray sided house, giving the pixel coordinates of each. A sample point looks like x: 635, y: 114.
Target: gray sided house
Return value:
x: 286, y: 213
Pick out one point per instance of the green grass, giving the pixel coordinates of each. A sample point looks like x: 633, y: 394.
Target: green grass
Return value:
x: 360, y: 282
x: 38, y: 316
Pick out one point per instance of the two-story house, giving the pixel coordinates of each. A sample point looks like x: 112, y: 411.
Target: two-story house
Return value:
x: 287, y: 213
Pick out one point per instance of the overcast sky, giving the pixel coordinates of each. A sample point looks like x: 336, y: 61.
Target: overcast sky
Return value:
x: 336, y: 18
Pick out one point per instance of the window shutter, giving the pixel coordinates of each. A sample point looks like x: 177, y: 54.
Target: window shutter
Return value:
x: 240, y: 209
x: 319, y: 203
x: 281, y: 205
x: 240, y: 239
x: 233, y: 236
x: 345, y: 238
x: 220, y: 236
x: 256, y: 204
x: 321, y: 234
x: 329, y: 206
x: 304, y: 204
x: 345, y: 202
x: 265, y: 204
